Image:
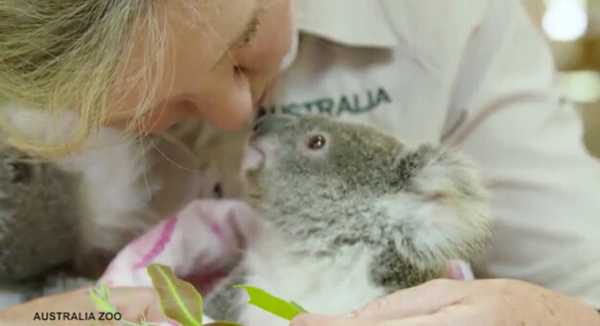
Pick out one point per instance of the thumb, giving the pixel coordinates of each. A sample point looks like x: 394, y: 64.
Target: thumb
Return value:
x: 308, y: 319
x: 132, y: 303
x: 423, y: 299
x: 136, y: 302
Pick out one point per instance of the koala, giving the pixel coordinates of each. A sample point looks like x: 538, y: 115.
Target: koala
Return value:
x: 37, y: 219
x: 120, y: 186
x: 219, y: 153
x: 347, y: 215
x: 38, y: 228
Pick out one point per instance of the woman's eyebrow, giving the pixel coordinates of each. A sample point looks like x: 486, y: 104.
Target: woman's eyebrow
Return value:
x: 240, y: 38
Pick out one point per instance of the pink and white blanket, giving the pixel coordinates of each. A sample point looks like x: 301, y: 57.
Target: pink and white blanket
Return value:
x: 201, y: 244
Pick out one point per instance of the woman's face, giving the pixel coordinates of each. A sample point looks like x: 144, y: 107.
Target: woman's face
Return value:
x: 222, y: 57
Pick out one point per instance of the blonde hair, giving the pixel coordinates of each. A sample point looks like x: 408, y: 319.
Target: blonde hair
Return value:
x: 67, y: 54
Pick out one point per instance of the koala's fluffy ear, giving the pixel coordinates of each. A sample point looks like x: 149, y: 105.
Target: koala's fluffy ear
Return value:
x: 407, y: 164
x: 438, y: 210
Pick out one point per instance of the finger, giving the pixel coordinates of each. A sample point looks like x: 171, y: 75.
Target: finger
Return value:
x: 131, y: 303
x: 423, y: 299
x: 134, y: 302
x: 322, y: 320
x: 454, y: 316
x: 457, y: 315
x: 423, y: 320
x: 31, y: 311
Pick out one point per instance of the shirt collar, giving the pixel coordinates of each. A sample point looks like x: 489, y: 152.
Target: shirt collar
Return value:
x: 360, y: 23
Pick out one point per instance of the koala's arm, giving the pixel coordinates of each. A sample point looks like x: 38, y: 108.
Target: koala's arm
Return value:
x: 62, y: 283
x: 224, y: 301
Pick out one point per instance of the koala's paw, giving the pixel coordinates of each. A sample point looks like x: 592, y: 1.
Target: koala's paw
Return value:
x: 443, y: 211
x: 223, y: 302
x: 65, y: 283
x: 92, y: 263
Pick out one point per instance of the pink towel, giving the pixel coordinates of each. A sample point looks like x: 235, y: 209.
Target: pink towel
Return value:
x: 201, y: 244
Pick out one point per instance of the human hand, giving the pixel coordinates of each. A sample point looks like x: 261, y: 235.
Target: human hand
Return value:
x: 132, y: 303
x: 495, y: 302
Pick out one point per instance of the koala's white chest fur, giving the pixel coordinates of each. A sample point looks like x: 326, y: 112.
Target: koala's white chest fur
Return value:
x: 328, y: 285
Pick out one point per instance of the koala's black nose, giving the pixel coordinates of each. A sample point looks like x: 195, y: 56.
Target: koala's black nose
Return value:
x: 271, y: 123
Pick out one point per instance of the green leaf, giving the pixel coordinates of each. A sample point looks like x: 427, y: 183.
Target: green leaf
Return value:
x: 298, y: 307
x: 101, y: 302
x: 272, y: 304
x: 101, y: 297
x: 105, y: 291
x: 222, y: 323
x: 179, y: 300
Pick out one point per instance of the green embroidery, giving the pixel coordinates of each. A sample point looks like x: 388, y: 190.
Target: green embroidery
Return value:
x: 346, y: 104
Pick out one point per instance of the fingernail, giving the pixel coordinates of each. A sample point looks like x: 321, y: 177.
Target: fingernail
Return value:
x: 466, y: 271
x: 461, y: 270
x: 456, y: 271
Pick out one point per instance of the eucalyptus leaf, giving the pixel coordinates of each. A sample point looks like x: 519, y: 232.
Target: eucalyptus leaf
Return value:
x: 179, y: 300
x: 298, y: 307
x: 272, y: 304
x: 101, y: 301
x: 222, y: 323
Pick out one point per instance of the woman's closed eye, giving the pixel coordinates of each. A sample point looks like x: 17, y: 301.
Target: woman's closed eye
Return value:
x: 250, y: 32
x: 246, y: 39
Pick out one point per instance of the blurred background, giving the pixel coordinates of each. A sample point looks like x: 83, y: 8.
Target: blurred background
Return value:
x: 572, y: 28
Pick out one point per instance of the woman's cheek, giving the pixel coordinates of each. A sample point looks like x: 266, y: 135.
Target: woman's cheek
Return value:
x: 159, y: 120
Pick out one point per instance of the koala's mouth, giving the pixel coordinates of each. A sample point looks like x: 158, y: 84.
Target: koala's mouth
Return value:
x: 262, y: 141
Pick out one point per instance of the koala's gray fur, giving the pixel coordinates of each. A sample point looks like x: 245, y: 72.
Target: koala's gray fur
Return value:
x: 223, y: 303
x: 361, y: 217
x: 63, y: 220
x: 38, y: 227
x: 31, y: 243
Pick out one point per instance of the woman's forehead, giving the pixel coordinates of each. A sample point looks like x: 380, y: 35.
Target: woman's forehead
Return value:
x: 213, y: 17
x: 209, y: 28
x: 195, y: 34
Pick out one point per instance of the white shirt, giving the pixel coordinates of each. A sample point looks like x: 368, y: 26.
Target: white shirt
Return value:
x: 475, y: 74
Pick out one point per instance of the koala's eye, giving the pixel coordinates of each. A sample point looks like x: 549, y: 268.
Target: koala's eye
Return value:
x: 316, y: 142
x: 21, y: 172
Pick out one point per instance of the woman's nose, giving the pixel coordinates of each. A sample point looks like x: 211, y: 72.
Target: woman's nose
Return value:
x: 228, y: 105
